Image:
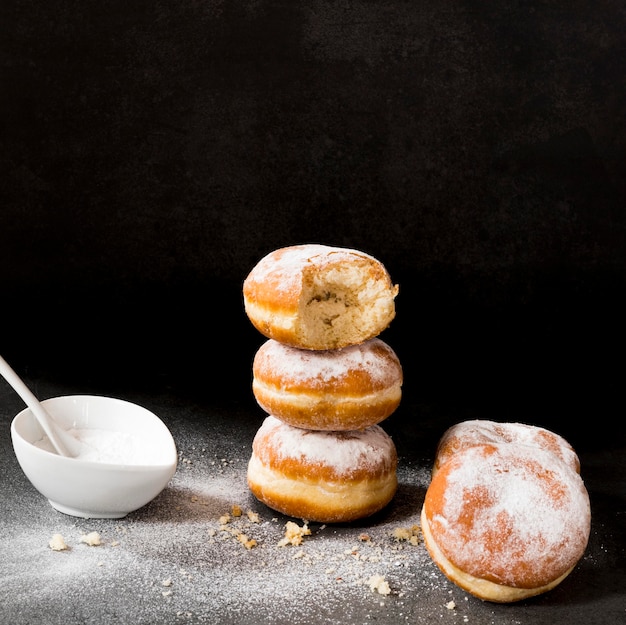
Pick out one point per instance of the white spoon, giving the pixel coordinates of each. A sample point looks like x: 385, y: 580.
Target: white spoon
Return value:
x: 62, y: 441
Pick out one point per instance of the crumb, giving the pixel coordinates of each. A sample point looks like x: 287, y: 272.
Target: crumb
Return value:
x: 92, y: 539
x: 409, y: 534
x: 167, y: 582
x: 57, y: 543
x: 115, y: 543
x: 248, y: 543
x: 253, y: 517
x: 450, y: 605
x: 236, y: 510
x: 378, y: 584
x: 364, y: 538
x: 294, y: 534
x: 212, y: 532
x: 224, y: 519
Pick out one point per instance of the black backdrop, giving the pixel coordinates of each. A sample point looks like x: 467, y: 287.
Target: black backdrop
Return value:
x: 152, y: 152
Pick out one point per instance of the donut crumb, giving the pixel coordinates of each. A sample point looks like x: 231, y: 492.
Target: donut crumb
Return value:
x: 294, y: 534
x: 92, y: 539
x: 57, y: 543
x: 408, y: 534
x: 379, y: 584
x: 253, y: 517
x: 248, y: 543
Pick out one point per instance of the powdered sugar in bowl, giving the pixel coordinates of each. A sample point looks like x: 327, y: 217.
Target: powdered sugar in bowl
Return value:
x: 130, y: 456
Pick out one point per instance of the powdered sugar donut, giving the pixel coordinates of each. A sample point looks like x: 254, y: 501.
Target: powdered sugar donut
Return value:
x: 344, y: 389
x: 328, y: 477
x: 319, y: 297
x: 480, y: 431
x: 506, y: 522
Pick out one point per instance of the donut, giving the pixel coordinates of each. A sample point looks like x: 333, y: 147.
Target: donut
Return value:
x: 329, y: 477
x: 314, y: 296
x: 480, y: 431
x: 506, y: 521
x: 350, y: 388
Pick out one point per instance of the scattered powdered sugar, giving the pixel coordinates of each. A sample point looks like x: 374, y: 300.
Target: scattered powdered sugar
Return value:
x: 180, y: 559
x: 341, y: 451
x: 111, y: 447
x: 374, y: 359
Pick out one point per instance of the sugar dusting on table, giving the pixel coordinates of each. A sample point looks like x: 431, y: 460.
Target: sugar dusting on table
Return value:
x: 205, y: 547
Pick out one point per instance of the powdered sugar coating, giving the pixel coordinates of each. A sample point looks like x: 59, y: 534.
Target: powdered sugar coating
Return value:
x: 284, y: 266
x: 480, y: 431
x: 515, y: 515
x: 343, y: 453
x: 374, y: 360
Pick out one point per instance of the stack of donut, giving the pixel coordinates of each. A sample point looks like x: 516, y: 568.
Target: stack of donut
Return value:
x: 326, y: 381
x: 506, y: 515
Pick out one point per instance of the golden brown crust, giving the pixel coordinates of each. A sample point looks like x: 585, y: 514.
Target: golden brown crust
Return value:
x: 346, y: 389
x: 481, y: 588
x: 319, y: 297
x: 506, y: 521
x: 322, y: 476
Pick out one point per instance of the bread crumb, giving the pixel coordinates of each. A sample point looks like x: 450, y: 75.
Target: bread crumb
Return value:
x: 167, y: 582
x: 294, y: 534
x: 57, y: 543
x: 450, y: 605
x: 236, y: 510
x: 224, y: 519
x: 377, y: 583
x: 409, y: 534
x: 248, y: 543
x: 253, y: 517
x: 92, y: 539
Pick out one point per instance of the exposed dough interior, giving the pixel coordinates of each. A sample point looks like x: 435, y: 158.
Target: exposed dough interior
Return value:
x: 342, y: 304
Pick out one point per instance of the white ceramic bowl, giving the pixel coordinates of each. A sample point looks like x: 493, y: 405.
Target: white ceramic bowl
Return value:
x: 92, y: 488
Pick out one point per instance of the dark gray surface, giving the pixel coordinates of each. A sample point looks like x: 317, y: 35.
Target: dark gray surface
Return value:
x: 215, y: 579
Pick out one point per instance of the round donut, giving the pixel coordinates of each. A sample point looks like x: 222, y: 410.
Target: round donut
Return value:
x: 316, y: 296
x: 480, y: 431
x: 350, y: 388
x: 506, y: 522
x: 330, y: 477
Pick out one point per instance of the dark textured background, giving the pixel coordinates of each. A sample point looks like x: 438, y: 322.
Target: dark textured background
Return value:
x: 152, y: 152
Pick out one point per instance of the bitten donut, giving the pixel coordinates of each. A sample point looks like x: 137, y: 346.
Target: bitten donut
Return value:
x: 504, y: 521
x: 315, y: 296
x: 330, y: 477
x: 344, y: 389
x: 480, y: 431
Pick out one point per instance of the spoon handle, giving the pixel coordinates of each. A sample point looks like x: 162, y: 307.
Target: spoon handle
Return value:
x: 56, y: 435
